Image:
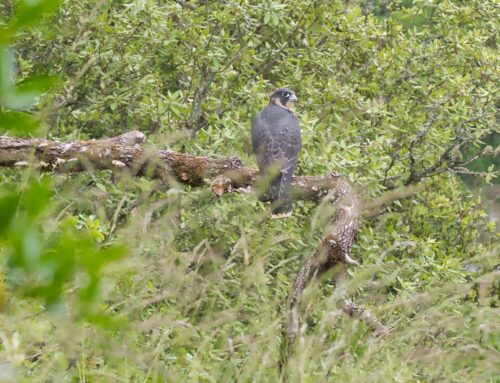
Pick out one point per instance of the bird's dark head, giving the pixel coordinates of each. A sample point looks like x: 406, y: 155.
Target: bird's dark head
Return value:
x: 283, y: 97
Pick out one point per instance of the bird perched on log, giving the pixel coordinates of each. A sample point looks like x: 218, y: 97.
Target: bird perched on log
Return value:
x: 276, y: 142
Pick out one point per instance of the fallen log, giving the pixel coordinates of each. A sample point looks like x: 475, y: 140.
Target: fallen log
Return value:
x: 123, y: 152
x: 222, y: 175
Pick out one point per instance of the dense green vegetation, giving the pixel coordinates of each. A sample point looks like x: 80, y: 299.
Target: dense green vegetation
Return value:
x: 114, y: 278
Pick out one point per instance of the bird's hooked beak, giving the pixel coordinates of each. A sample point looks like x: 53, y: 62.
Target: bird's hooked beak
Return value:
x: 290, y: 102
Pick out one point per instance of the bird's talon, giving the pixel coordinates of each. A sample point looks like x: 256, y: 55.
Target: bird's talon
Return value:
x: 281, y: 215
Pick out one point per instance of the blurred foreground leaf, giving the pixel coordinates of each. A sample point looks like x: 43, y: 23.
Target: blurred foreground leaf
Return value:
x: 30, y: 12
x: 41, y: 262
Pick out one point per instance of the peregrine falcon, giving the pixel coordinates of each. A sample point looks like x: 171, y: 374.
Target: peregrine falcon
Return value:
x: 276, y: 144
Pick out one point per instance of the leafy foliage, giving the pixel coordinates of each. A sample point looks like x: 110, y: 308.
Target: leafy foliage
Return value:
x: 391, y: 94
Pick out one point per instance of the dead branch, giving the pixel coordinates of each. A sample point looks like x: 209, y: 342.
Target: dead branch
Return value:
x: 353, y: 310
x: 207, y: 78
x: 222, y: 175
x: 334, y: 250
x: 123, y: 153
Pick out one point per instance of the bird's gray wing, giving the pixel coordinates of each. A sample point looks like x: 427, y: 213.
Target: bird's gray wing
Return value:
x: 276, y: 138
x: 286, y: 148
x: 262, y: 141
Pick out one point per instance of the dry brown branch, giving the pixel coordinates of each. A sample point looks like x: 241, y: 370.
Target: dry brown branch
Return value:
x: 222, y: 175
x: 353, y: 310
x: 334, y: 250
x: 123, y: 153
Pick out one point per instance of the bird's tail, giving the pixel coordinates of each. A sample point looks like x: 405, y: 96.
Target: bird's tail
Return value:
x: 280, y: 194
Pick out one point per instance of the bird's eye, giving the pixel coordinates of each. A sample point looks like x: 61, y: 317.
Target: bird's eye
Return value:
x: 286, y: 94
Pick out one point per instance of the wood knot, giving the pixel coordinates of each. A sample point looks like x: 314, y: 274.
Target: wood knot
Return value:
x: 334, y: 174
x: 235, y: 162
x: 118, y: 164
x: 221, y: 185
x: 336, y: 251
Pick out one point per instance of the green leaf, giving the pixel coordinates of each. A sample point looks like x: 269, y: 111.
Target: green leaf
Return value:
x: 6, y: 71
x: 30, y: 12
x: 36, y: 198
x: 8, y: 208
x: 19, y: 123
x: 267, y: 17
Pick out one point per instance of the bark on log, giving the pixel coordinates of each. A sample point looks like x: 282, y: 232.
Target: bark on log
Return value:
x: 123, y: 152
x: 223, y: 175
